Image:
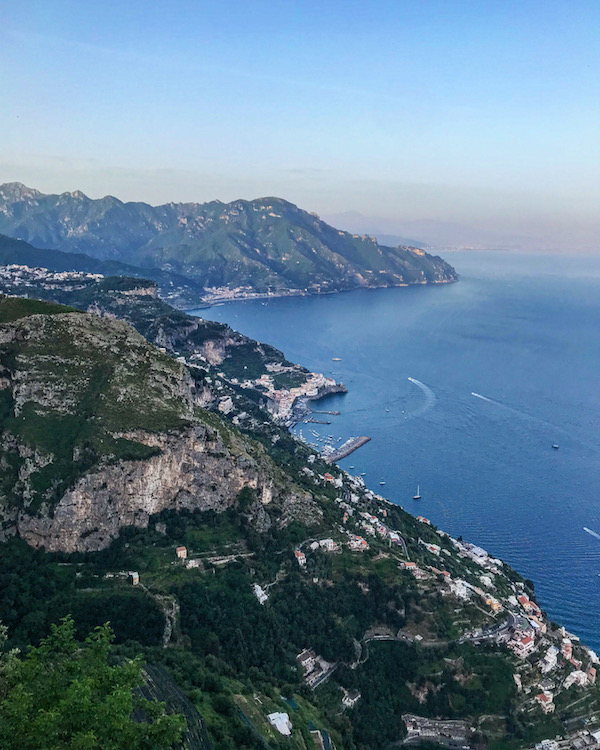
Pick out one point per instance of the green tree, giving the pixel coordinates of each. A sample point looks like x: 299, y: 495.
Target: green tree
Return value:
x: 65, y: 695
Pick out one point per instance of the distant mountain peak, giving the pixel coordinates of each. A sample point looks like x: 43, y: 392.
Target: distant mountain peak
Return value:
x: 17, y: 191
x: 78, y: 195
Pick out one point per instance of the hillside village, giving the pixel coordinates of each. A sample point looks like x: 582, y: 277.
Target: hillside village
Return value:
x: 552, y: 670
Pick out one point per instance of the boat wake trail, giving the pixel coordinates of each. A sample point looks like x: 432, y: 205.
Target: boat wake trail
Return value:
x: 519, y: 413
x: 593, y: 533
x: 429, y: 398
x: 483, y: 398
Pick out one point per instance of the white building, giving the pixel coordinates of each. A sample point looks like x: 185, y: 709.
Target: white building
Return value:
x: 459, y: 588
x: 357, y: 543
x: 433, y: 548
x: 300, y: 557
x: 545, y: 702
x: 281, y: 722
x: 523, y: 646
x: 307, y: 659
x: 547, y: 745
x: 351, y: 698
x: 225, y: 405
x: 328, y: 545
x: 548, y: 663
x: 576, y: 678
x: 260, y: 593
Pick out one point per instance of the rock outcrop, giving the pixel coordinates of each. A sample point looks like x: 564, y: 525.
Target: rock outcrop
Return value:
x: 101, y: 431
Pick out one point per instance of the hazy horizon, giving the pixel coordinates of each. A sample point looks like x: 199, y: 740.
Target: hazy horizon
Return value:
x: 480, y: 121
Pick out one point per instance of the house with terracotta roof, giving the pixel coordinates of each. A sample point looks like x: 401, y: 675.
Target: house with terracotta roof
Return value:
x: 523, y: 646
x: 545, y: 702
x: 300, y: 557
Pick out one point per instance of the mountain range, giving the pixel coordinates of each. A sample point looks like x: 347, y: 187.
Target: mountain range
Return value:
x: 267, y: 245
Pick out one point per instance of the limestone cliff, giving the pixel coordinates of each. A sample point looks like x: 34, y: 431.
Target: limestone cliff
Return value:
x: 100, y: 430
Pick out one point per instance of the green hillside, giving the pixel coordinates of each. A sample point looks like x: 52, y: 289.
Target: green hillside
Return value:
x: 267, y: 244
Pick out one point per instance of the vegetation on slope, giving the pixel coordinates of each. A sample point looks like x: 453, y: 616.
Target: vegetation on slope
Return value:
x: 401, y: 641
x: 71, y: 383
x: 261, y: 245
x: 65, y: 695
x: 136, y: 301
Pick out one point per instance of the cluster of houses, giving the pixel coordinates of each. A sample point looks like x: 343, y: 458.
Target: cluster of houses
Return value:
x: 524, y: 632
x: 281, y: 401
x: 580, y: 740
x: 18, y: 276
x: 189, y: 562
x: 327, y: 545
x: 373, y: 525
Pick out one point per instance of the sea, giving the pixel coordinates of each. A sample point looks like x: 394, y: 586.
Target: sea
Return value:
x: 464, y: 390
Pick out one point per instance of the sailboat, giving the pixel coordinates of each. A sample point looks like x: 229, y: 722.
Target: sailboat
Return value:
x: 418, y: 495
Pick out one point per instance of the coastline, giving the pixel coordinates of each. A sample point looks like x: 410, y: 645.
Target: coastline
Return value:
x: 208, y: 302
x: 301, y: 408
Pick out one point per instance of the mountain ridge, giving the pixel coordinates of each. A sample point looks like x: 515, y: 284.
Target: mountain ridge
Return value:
x: 265, y: 245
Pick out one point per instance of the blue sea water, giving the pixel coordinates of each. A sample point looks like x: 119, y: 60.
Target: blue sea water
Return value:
x: 523, y: 332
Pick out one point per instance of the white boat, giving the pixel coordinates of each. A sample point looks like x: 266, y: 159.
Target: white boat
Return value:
x: 418, y: 495
x: 381, y: 482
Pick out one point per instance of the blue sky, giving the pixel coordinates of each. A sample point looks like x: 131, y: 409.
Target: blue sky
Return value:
x: 479, y: 113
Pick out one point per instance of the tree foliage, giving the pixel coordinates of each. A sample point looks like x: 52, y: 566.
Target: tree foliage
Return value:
x: 66, y: 695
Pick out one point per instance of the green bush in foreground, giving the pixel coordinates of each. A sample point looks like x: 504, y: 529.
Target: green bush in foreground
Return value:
x: 64, y: 695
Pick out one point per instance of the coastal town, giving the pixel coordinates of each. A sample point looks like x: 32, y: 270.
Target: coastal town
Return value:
x: 18, y: 278
x: 551, y: 666
x: 285, y: 388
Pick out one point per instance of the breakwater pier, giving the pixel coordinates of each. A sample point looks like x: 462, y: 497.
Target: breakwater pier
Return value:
x: 346, y: 449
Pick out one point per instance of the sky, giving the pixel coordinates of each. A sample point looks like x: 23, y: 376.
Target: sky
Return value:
x: 474, y: 114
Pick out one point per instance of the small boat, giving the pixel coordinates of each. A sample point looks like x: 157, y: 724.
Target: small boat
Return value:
x: 363, y: 473
x: 418, y: 495
x: 381, y: 482
x: 352, y: 467
x: 336, y: 359
x: 555, y: 446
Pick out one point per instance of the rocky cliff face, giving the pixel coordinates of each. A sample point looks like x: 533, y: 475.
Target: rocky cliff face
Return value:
x: 194, y: 470
x: 100, y: 431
